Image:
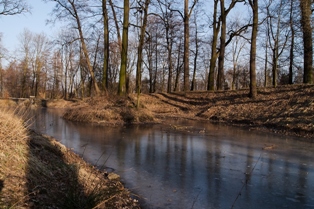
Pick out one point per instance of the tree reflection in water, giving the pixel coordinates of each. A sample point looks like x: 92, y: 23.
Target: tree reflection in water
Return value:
x: 183, y: 168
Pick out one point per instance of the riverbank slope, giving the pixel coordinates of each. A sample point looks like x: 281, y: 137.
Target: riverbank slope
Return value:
x: 285, y: 109
x: 36, y: 171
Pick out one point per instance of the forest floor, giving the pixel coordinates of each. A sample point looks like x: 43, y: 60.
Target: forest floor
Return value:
x: 285, y: 109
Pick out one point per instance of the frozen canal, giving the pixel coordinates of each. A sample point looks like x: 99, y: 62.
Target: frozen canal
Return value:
x: 197, y: 165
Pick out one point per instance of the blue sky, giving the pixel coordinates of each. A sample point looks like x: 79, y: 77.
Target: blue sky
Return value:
x: 12, y: 26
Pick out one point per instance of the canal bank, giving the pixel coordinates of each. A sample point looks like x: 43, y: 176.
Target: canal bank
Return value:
x: 287, y: 110
x: 37, y: 171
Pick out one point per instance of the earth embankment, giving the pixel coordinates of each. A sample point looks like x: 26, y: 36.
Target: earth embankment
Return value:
x: 285, y: 109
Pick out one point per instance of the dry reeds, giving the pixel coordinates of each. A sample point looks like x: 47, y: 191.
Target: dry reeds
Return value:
x: 13, y: 155
x: 109, y: 111
x: 36, y: 171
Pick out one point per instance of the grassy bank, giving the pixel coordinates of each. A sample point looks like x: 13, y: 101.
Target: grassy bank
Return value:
x: 38, y: 172
x: 285, y: 109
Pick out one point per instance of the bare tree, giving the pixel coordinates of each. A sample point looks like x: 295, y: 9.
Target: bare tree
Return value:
x: 71, y: 10
x: 156, y: 52
x: 34, y: 52
x: 197, y: 43
x: 13, y: 7
x: 40, y: 44
x: 253, y: 88
x: 223, y: 18
x: 291, y: 25
x: 186, y: 54
x: 278, y: 35
x: 214, y: 51
x: 116, y: 22
x: 65, y: 62
x: 168, y: 20
x: 56, y: 65
x: 124, y: 49
x: 237, y: 46
x: 150, y: 48
x: 25, y: 39
x: 106, y: 45
x: 143, y: 9
x: 179, y: 63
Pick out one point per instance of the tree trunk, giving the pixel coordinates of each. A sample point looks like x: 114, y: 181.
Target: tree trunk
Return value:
x: 214, y: 53
x: 124, y: 49
x: 106, y: 46
x: 178, y: 69
x: 193, y: 85
x: 253, y: 87
x: 221, y: 58
x: 266, y: 64
x: 276, y: 52
x: 116, y: 23
x: 84, y: 48
x: 292, y: 44
x: 186, y: 53
x: 275, y: 65
x: 140, y: 53
x: 306, y: 12
x: 170, y: 66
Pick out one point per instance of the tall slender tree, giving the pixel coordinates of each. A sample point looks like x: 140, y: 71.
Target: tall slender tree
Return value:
x: 143, y: 8
x: 106, y: 45
x: 186, y: 54
x: 291, y: 25
x: 70, y: 10
x: 116, y: 23
x: 306, y: 24
x: 214, y: 51
x: 253, y: 87
x: 25, y: 39
x: 124, y: 49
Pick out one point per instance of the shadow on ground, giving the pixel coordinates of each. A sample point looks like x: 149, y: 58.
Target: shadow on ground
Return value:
x: 52, y: 182
x: 1, y: 185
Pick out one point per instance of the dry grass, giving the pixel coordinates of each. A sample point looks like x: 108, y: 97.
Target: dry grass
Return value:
x: 38, y: 172
x: 13, y: 159
x: 287, y: 109
x: 112, y: 110
x: 7, y: 103
x: 59, y: 103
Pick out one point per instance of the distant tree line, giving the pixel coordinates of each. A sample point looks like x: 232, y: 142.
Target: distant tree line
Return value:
x: 145, y: 46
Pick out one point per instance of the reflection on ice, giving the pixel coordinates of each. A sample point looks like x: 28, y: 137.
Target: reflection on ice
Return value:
x: 182, y: 168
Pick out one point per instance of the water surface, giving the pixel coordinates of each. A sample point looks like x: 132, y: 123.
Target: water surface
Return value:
x: 186, y: 164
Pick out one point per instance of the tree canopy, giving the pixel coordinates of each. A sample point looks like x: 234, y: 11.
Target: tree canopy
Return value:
x: 161, y: 45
